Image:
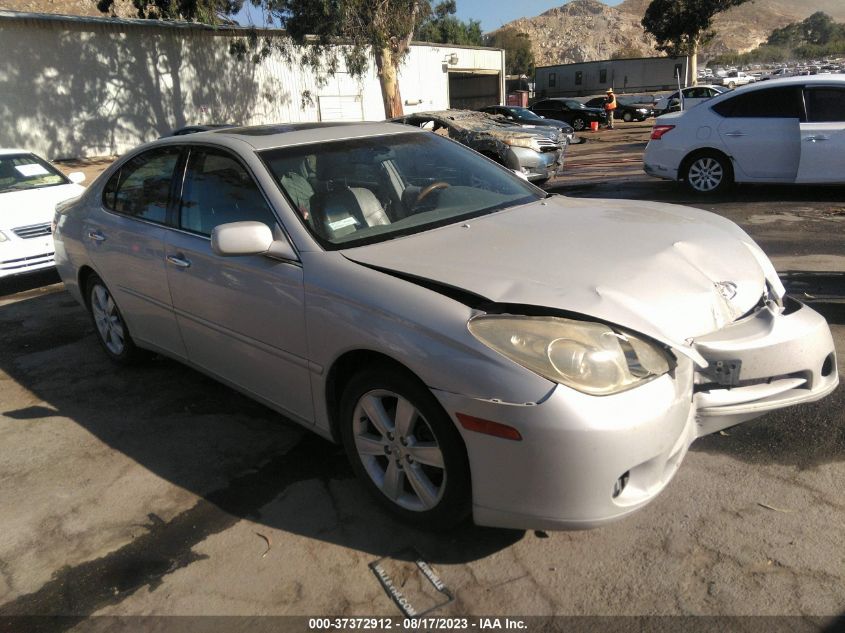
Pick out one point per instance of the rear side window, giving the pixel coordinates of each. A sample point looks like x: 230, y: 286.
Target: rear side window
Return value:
x: 772, y: 103
x: 825, y: 105
x: 141, y: 188
x: 219, y: 190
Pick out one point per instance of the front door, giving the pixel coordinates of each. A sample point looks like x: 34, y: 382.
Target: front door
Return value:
x: 823, y: 136
x: 242, y: 318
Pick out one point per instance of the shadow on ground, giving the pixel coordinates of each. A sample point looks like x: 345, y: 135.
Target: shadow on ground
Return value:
x: 235, y: 454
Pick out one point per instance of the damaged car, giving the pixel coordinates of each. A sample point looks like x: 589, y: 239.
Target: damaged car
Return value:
x: 537, y: 154
x: 478, y: 346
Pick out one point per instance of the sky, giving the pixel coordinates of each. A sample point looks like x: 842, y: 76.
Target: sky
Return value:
x: 491, y: 13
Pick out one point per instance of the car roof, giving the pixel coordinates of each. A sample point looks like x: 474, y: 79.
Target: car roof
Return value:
x: 7, y: 151
x: 262, y: 137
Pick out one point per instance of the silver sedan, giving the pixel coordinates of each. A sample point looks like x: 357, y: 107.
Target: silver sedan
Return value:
x: 477, y: 345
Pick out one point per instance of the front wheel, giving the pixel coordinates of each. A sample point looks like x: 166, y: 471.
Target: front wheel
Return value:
x: 627, y: 117
x: 405, y: 448
x: 579, y: 123
x: 709, y: 173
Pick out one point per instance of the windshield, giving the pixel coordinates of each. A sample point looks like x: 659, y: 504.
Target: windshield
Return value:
x: 360, y: 191
x: 27, y: 171
x: 525, y: 113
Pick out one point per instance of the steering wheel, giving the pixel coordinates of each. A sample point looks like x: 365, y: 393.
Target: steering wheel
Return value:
x: 432, y: 187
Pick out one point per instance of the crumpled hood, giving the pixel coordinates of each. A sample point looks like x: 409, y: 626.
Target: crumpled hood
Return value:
x: 650, y: 267
x: 34, y: 206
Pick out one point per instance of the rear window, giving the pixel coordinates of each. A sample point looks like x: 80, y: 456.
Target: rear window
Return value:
x: 771, y: 103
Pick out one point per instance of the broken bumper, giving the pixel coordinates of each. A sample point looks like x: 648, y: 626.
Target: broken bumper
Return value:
x: 535, y: 165
x: 584, y: 461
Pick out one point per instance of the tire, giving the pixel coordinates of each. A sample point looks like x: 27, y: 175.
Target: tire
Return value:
x: 627, y: 117
x: 540, y: 182
x: 732, y: 85
x: 112, y: 331
x: 437, y: 496
x: 708, y: 173
x: 579, y: 124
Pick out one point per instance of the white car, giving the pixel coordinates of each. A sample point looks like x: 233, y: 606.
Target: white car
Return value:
x: 476, y: 344
x: 780, y: 131
x: 693, y: 96
x: 738, y: 78
x: 30, y: 188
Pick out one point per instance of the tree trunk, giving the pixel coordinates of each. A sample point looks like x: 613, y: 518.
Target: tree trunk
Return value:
x: 388, y: 76
x: 693, y: 61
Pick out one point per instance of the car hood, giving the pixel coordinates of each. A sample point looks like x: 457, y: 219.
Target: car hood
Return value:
x: 34, y: 206
x: 672, y: 273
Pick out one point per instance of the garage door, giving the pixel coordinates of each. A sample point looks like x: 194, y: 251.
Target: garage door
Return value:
x: 469, y: 91
x: 341, y: 108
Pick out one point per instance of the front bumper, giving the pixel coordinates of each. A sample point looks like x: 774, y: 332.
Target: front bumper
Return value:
x: 20, y: 256
x: 584, y: 461
x: 535, y: 165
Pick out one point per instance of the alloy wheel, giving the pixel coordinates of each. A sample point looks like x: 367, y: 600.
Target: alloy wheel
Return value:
x: 399, y: 451
x: 705, y: 174
x: 107, y: 319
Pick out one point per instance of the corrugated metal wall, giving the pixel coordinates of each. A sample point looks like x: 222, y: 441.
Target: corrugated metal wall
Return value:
x: 82, y: 87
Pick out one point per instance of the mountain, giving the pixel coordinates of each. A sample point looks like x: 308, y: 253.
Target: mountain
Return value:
x: 587, y: 30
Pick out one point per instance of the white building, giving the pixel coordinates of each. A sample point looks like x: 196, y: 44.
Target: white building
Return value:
x: 77, y: 86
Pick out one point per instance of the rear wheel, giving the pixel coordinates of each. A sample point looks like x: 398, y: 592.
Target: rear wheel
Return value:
x: 708, y: 173
x: 627, y: 117
x: 112, y: 331
x: 405, y: 448
x: 579, y: 124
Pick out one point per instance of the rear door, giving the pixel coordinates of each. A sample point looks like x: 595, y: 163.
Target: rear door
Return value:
x: 242, y: 318
x: 823, y: 135
x: 125, y: 241
x: 760, y: 131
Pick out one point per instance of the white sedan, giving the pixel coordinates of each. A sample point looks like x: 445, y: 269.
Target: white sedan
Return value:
x: 477, y: 345
x: 30, y: 188
x: 780, y: 131
x: 693, y: 96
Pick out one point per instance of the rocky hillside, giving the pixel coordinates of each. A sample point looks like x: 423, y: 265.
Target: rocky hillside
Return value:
x: 585, y: 30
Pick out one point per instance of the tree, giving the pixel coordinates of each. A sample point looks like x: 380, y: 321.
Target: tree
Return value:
x: 519, y: 56
x: 444, y: 28
x: 682, y: 26
x: 205, y: 11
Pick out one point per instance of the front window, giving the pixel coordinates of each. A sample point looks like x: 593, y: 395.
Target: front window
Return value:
x: 373, y: 189
x: 27, y: 171
x: 574, y: 105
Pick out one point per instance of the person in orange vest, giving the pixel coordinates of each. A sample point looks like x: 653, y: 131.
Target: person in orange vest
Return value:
x: 609, y: 107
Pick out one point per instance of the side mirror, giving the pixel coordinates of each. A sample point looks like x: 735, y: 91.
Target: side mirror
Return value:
x: 249, y: 238
x: 76, y: 177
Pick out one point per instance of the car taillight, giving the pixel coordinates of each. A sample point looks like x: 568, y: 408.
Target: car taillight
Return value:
x: 659, y: 130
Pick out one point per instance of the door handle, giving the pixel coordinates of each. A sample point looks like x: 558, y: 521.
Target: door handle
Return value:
x: 96, y: 235
x: 179, y: 261
x: 734, y: 134
x: 818, y: 137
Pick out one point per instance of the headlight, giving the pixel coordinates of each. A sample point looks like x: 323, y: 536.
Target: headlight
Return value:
x: 590, y: 357
x: 643, y: 110
x: 3, y: 238
x: 529, y: 142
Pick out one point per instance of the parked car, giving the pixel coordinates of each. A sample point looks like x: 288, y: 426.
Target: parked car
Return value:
x: 785, y: 130
x: 693, y: 96
x: 736, y: 78
x: 476, y: 344
x: 537, y: 154
x: 30, y: 187
x: 527, y: 119
x: 569, y: 111
x: 626, y: 110
x: 777, y: 74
